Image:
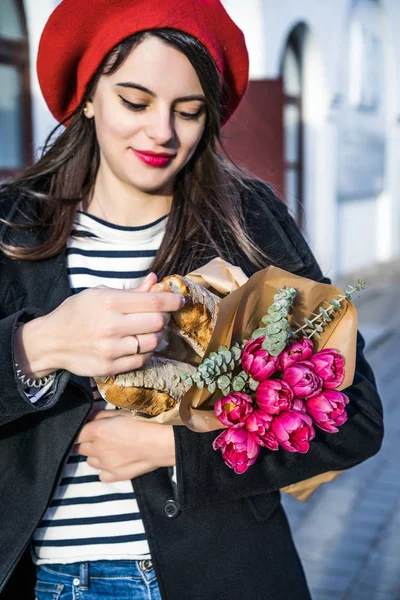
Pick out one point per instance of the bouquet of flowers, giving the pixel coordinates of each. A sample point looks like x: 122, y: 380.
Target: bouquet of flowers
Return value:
x: 284, y: 388
x: 263, y: 358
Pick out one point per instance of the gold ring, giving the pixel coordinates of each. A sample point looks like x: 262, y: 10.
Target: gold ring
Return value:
x: 135, y: 337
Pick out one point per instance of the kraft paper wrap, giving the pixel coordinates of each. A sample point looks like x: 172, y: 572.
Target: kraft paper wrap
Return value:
x: 245, y: 302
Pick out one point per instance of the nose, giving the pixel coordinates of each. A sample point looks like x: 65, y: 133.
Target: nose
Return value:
x: 160, y: 127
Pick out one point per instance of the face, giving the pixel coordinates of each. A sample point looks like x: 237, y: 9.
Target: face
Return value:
x: 149, y: 117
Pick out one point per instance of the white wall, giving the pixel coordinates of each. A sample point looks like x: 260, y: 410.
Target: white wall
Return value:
x: 352, y: 233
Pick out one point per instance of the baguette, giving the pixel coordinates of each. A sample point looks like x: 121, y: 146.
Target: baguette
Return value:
x: 194, y: 322
x: 151, y: 390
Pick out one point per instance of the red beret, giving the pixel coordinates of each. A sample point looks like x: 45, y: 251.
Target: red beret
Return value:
x: 80, y: 33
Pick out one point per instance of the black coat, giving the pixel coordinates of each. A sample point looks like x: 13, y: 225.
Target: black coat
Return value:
x: 219, y: 535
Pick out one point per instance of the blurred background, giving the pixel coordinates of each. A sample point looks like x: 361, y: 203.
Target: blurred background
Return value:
x: 321, y: 122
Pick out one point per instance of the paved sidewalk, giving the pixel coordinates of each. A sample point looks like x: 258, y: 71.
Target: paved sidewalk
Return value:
x: 348, y: 534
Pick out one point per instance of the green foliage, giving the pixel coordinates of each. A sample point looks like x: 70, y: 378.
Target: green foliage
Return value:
x: 313, y: 327
x: 277, y: 329
x: 216, y: 371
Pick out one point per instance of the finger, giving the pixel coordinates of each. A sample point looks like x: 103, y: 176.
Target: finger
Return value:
x: 85, y: 435
x: 129, y: 363
x: 131, y: 301
x: 94, y: 462
x: 124, y: 473
x: 85, y: 449
x: 128, y: 345
x: 141, y: 323
x: 147, y: 283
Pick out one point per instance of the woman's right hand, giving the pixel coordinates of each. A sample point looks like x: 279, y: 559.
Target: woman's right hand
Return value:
x: 92, y: 332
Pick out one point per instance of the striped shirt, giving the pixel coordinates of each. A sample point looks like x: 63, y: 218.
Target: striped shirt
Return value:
x: 87, y: 519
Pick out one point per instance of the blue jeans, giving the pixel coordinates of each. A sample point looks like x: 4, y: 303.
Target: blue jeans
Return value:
x: 98, y: 580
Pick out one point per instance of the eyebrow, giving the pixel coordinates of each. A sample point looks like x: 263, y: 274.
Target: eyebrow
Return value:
x: 137, y: 86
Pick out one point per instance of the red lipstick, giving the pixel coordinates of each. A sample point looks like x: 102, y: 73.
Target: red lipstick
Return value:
x: 154, y: 159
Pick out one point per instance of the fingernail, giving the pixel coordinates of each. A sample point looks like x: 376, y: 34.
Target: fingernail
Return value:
x: 146, y: 279
x: 183, y: 300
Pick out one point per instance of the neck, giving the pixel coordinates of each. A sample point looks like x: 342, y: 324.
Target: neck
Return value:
x: 119, y: 203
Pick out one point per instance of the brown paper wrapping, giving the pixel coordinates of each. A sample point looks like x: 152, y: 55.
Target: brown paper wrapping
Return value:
x: 244, y: 303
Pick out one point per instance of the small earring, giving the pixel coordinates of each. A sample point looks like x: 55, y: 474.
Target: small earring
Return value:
x: 85, y: 109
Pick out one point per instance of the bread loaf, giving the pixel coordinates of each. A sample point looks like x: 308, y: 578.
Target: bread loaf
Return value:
x: 153, y: 389
x: 194, y: 322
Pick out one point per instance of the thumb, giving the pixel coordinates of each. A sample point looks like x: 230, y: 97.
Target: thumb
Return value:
x: 147, y: 283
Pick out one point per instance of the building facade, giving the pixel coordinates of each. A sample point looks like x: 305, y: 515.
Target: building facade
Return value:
x: 321, y: 120
x: 327, y: 133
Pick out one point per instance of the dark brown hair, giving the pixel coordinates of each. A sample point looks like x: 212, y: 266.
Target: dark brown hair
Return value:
x: 207, y: 204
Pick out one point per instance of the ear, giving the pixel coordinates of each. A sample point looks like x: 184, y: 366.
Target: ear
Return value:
x: 89, y: 110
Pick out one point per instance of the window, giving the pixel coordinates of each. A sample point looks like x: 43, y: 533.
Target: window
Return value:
x: 15, y: 109
x: 293, y: 125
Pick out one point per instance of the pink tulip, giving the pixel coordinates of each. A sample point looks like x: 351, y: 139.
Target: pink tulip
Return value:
x: 293, y: 430
x: 297, y: 352
x: 299, y: 405
x: 303, y: 380
x: 239, y: 448
x: 274, y: 395
x: 328, y: 410
x: 233, y: 409
x: 329, y: 365
x: 258, y: 363
x: 259, y: 424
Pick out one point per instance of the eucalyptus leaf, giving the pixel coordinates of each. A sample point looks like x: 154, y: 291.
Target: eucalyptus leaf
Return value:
x: 274, y: 318
x: 259, y: 333
x: 253, y: 384
x: 236, y: 352
x: 223, y: 382
x: 238, y: 384
x: 223, y: 354
x: 275, y: 307
x: 218, y: 360
x: 274, y: 328
x: 212, y: 387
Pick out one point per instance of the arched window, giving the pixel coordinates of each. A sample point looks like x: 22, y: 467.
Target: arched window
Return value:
x: 293, y: 124
x: 15, y: 109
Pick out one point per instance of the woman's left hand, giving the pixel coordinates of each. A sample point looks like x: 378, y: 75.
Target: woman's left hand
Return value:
x: 123, y: 448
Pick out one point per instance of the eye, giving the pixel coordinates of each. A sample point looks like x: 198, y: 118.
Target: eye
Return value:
x: 190, y: 116
x: 131, y: 105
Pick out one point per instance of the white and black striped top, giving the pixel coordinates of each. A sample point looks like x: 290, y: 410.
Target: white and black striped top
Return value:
x: 87, y: 519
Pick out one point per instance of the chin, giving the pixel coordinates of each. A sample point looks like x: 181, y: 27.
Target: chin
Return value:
x: 147, y: 186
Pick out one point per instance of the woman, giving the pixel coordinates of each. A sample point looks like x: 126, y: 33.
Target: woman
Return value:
x: 134, y: 185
